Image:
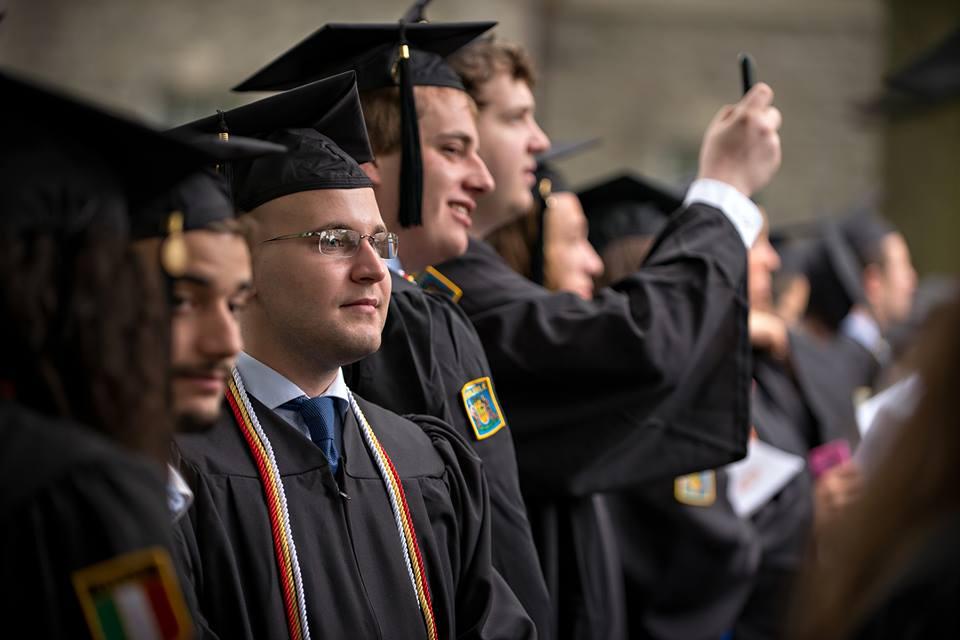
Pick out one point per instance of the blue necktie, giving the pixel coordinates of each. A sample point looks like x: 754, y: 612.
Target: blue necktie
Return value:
x: 322, y: 420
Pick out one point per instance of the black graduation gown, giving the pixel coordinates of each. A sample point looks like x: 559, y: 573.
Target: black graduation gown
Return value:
x: 355, y: 582
x: 688, y: 569
x: 581, y: 379
x: 581, y: 562
x: 582, y: 382
x: 782, y: 419
x: 70, y: 499
x: 428, y: 353
x: 829, y: 375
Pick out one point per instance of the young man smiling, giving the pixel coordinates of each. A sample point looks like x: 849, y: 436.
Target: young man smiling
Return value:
x: 379, y: 526
x: 431, y: 360
x: 589, y: 382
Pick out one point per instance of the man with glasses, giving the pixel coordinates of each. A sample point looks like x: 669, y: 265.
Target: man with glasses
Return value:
x: 431, y: 360
x: 316, y: 511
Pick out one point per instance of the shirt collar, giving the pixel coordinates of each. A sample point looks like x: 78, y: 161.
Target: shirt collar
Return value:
x: 859, y: 326
x: 273, y: 389
x: 179, y: 495
x: 394, y: 265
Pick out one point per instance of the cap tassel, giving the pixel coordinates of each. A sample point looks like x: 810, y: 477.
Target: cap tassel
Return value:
x: 225, y: 168
x: 544, y: 191
x: 411, y: 164
x: 173, y: 252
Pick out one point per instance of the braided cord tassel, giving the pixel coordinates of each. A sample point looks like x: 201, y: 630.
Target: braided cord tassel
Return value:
x: 401, y: 512
x: 291, y: 582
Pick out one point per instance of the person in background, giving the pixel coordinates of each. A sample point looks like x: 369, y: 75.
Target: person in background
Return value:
x: 402, y: 505
x: 86, y: 535
x: 430, y: 361
x: 626, y: 213
x: 563, y: 362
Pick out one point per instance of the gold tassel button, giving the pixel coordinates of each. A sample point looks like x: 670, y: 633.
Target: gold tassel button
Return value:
x: 173, y: 252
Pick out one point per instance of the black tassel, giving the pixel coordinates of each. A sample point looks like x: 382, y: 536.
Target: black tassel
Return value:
x: 411, y: 165
x: 542, y: 196
x: 225, y: 168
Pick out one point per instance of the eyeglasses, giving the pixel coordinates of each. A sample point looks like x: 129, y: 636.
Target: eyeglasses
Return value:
x: 345, y: 243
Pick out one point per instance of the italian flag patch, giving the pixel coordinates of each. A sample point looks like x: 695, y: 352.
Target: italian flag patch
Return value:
x: 134, y: 595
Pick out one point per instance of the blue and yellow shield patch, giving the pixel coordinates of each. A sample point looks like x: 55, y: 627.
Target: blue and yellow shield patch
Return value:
x: 432, y: 280
x: 482, y: 407
x: 696, y: 489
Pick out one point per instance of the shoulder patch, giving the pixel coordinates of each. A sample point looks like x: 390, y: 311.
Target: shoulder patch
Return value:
x: 432, y: 280
x: 696, y: 489
x: 482, y: 407
x: 133, y: 595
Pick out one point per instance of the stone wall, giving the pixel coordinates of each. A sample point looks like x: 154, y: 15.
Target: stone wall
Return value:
x: 645, y: 75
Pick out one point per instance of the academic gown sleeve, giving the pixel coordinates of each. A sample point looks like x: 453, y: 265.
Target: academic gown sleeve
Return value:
x: 828, y: 375
x: 676, y: 329
x: 70, y: 500
x: 428, y: 353
x: 783, y: 524
x: 486, y: 607
x: 688, y: 569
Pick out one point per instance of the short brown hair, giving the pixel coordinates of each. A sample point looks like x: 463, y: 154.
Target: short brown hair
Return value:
x: 381, y: 112
x: 479, y: 62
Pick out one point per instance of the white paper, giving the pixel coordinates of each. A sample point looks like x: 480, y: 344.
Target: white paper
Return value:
x: 881, y: 418
x: 896, y: 402
x: 753, y: 481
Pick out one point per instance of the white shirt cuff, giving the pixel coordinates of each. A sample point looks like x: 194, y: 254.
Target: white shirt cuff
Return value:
x: 738, y: 208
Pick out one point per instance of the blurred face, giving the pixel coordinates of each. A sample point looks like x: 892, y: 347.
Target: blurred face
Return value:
x: 205, y: 336
x: 311, y: 308
x: 762, y: 261
x: 792, y: 303
x: 570, y: 263
x: 510, y: 139
x: 897, y: 281
x: 454, y: 177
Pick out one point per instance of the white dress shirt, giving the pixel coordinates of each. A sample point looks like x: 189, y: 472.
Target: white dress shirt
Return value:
x: 738, y: 208
x: 274, y: 390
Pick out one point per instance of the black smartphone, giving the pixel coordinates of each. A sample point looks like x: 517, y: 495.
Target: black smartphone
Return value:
x: 747, y: 75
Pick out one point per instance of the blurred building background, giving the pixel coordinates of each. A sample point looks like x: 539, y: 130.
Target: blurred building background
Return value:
x: 646, y: 76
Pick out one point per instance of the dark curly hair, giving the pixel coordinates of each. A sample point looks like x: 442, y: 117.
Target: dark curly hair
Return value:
x: 84, y: 323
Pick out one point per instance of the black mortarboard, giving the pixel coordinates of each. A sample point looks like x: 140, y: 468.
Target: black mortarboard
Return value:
x: 322, y: 126
x: 144, y: 161
x: 864, y: 231
x: 627, y: 205
x: 934, y: 76
x: 549, y: 180
x: 835, y: 275
x: 196, y: 202
x: 203, y: 197
x: 383, y: 55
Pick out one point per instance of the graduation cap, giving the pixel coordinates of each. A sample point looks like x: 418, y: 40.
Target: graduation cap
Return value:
x: 864, y: 231
x: 144, y: 161
x: 835, y: 276
x: 934, y: 76
x: 322, y: 126
x: 549, y: 180
x: 627, y: 205
x: 198, y: 201
x: 401, y: 54
x: 930, y: 79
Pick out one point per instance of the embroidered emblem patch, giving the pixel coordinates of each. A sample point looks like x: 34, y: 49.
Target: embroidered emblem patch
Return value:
x: 482, y: 407
x: 696, y: 489
x: 432, y: 280
x: 134, y: 595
